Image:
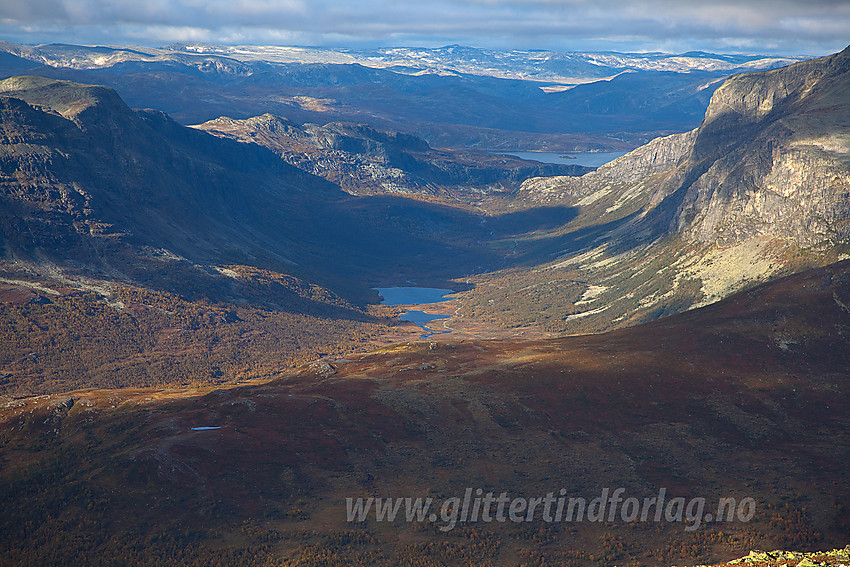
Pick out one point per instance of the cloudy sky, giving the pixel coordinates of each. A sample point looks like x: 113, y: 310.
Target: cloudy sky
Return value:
x: 809, y: 27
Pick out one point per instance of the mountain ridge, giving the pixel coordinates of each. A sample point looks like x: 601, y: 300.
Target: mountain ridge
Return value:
x: 362, y: 160
x: 155, y: 183
x: 742, y: 105
x: 544, y: 65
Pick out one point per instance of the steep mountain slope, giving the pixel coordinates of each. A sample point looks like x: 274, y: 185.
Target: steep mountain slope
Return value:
x: 88, y: 182
x: 365, y: 161
x: 746, y: 398
x: 787, y: 176
x: 761, y: 188
x: 78, y: 153
x: 771, y: 142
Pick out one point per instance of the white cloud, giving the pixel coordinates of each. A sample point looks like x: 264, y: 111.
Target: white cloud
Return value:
x: 813, y: 27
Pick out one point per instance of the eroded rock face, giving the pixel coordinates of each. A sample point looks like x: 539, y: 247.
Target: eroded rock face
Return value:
x: 776, y: 558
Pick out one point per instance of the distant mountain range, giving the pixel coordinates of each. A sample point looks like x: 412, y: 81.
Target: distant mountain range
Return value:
x: 451, y: 97
x: 536, y: 65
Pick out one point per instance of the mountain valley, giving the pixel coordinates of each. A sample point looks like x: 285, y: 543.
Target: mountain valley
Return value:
x: 195, y: 368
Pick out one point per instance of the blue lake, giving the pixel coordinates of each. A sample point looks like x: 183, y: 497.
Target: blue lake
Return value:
x: 415, y: 296
x: 587, y: 159
x: 412, y: 295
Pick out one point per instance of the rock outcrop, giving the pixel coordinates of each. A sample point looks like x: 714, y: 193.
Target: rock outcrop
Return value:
x: 656, y: 157
x: 780, y: 558
x: 772, y: 157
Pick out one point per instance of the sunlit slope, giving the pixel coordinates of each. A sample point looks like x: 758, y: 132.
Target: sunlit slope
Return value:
x: 760, y: 189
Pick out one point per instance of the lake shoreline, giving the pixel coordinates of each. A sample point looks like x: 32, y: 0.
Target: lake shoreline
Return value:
x: 449, y: 322
x: 402, y: 296
x: 584, y: 159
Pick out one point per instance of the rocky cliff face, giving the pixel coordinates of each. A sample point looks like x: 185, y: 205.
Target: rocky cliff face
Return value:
x: 657, y: 157
x: 772, y: 157
x: 782, y: 558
